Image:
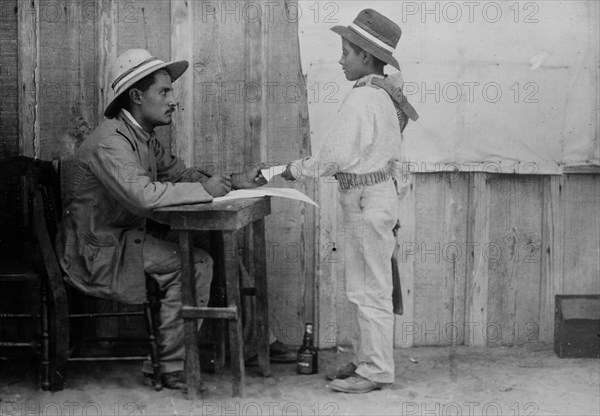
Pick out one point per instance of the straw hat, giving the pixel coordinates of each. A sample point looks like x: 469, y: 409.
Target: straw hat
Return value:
x: 374, y: 33
x: 132, y: 66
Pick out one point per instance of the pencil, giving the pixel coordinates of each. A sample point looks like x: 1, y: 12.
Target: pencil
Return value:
x: 205, y: 173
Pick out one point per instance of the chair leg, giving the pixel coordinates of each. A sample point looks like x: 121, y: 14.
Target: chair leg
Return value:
x: 149, y: 318
x: 58, y: 320
x: 45, y: 373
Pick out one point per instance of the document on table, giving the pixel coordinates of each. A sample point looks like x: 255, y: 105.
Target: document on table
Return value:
x: 261, y: 192
x: 272, y: 171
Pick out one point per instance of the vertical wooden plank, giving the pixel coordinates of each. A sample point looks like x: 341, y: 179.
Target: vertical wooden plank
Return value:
x: 67, y: 106
x: 502, y: 290
x: 182, y: 128
x: 107, y: 53
x: 440, y: 215
x: 405, y: 326
x: 9, y: 76
x: 477, y: 278
x: 525, y: 328
x: 329, y: 268
x: 291, y: 229
x: 261, y: 154
x: 594, y: 15
x: 219, y: 86
x: 255, y: 144
x: 254, y: 151
x: 551, y: 281
x: 514, y: 256
x: 28, y: 77
x: 581, y: 266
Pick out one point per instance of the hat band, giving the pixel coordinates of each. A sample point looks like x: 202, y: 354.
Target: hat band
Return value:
x: 370, y: 37
x: 133, y: 72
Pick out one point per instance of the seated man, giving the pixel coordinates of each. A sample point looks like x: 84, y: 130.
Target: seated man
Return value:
x: 119, y: 174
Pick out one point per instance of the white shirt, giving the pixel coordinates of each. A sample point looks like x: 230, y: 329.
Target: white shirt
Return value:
x: 130, y: 118
x: 363, y: 137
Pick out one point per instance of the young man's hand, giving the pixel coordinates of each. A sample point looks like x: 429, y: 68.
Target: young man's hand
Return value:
x: 287, y: 173
x: 217, y: 185
x: 251, y: 178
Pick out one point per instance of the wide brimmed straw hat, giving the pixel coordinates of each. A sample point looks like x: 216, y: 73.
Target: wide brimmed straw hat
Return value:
x: 374, y: 33
x: 132, y: 66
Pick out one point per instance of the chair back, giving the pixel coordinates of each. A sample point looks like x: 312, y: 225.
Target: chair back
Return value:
x: 15, y: 208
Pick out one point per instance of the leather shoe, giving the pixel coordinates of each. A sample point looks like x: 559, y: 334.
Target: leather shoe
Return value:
x: 175, y: 380
x: 342, y: 373
x: 355, y: 384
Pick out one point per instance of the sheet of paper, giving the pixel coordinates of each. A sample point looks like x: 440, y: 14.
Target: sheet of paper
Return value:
x: 261, y: 192
x: 268, y: 173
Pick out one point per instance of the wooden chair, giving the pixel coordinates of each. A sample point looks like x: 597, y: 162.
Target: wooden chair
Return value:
x: 63, y: 318
x: 19, y: 266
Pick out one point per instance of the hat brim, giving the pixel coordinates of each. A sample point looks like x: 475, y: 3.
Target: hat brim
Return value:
x: 368, y: 46
x: 174, y: 68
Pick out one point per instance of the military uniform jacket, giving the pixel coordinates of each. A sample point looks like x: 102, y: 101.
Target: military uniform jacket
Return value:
x: 119, y: 174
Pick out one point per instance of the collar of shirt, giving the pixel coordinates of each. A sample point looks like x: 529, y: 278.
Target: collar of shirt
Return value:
x: 129, y: 117
x: 366, y: 79
x: 132, y: 122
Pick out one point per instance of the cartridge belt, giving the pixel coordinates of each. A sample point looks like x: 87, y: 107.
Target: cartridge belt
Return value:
x: 354, y: 180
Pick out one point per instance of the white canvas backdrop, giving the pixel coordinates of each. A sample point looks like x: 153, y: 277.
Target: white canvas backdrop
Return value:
x: 500, y: 86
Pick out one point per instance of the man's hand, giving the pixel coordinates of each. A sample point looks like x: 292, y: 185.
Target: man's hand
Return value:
x: 251, y: 178
x: 217, y: 185
x: 287, y: 173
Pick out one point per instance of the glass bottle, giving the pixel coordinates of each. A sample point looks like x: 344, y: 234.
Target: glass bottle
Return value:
x: 308, y: 357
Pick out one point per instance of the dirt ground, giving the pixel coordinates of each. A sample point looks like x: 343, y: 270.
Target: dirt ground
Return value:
x: 429, y: 381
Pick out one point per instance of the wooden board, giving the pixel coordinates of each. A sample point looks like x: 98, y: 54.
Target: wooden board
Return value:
x: 440, y: 254
x: 182, y: 127
x: 514, y: 260
x: 67, y: 108
x: 219, y: 81
x: 292, y: 227
x: 405, y: 325
x: 146, y: 25
x: 581, y: 235
x: 9, y: 75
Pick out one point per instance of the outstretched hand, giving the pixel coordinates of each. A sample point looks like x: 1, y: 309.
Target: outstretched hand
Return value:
x: 251, y: 178
x: 287, y: 173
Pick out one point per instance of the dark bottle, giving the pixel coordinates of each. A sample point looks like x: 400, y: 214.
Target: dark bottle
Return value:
x: 308, y: 358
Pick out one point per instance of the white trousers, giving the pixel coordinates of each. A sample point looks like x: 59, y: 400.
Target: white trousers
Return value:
x: 370, y: 213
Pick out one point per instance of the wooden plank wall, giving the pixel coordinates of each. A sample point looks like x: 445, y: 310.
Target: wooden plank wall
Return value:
x: 245, y: 73
x: 481, y: 256
x: 242, y: 101
x: 528, y: 237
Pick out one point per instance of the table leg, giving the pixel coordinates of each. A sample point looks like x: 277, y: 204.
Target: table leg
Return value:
x: 233, y: 300
x: 218, y: 325
x: 262, y: 303
x: 192, y: 351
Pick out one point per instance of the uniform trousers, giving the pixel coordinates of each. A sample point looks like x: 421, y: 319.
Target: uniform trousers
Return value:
x: 162, y: 262
x: 369, y: 214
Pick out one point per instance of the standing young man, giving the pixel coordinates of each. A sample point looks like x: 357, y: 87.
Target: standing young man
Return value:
x: 359, y: 149
x: 119, y: 174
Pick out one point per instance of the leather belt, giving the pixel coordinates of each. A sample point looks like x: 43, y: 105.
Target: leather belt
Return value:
x: 354, y: 180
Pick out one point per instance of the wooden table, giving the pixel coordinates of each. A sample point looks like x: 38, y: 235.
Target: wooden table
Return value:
x: 226, y: 217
